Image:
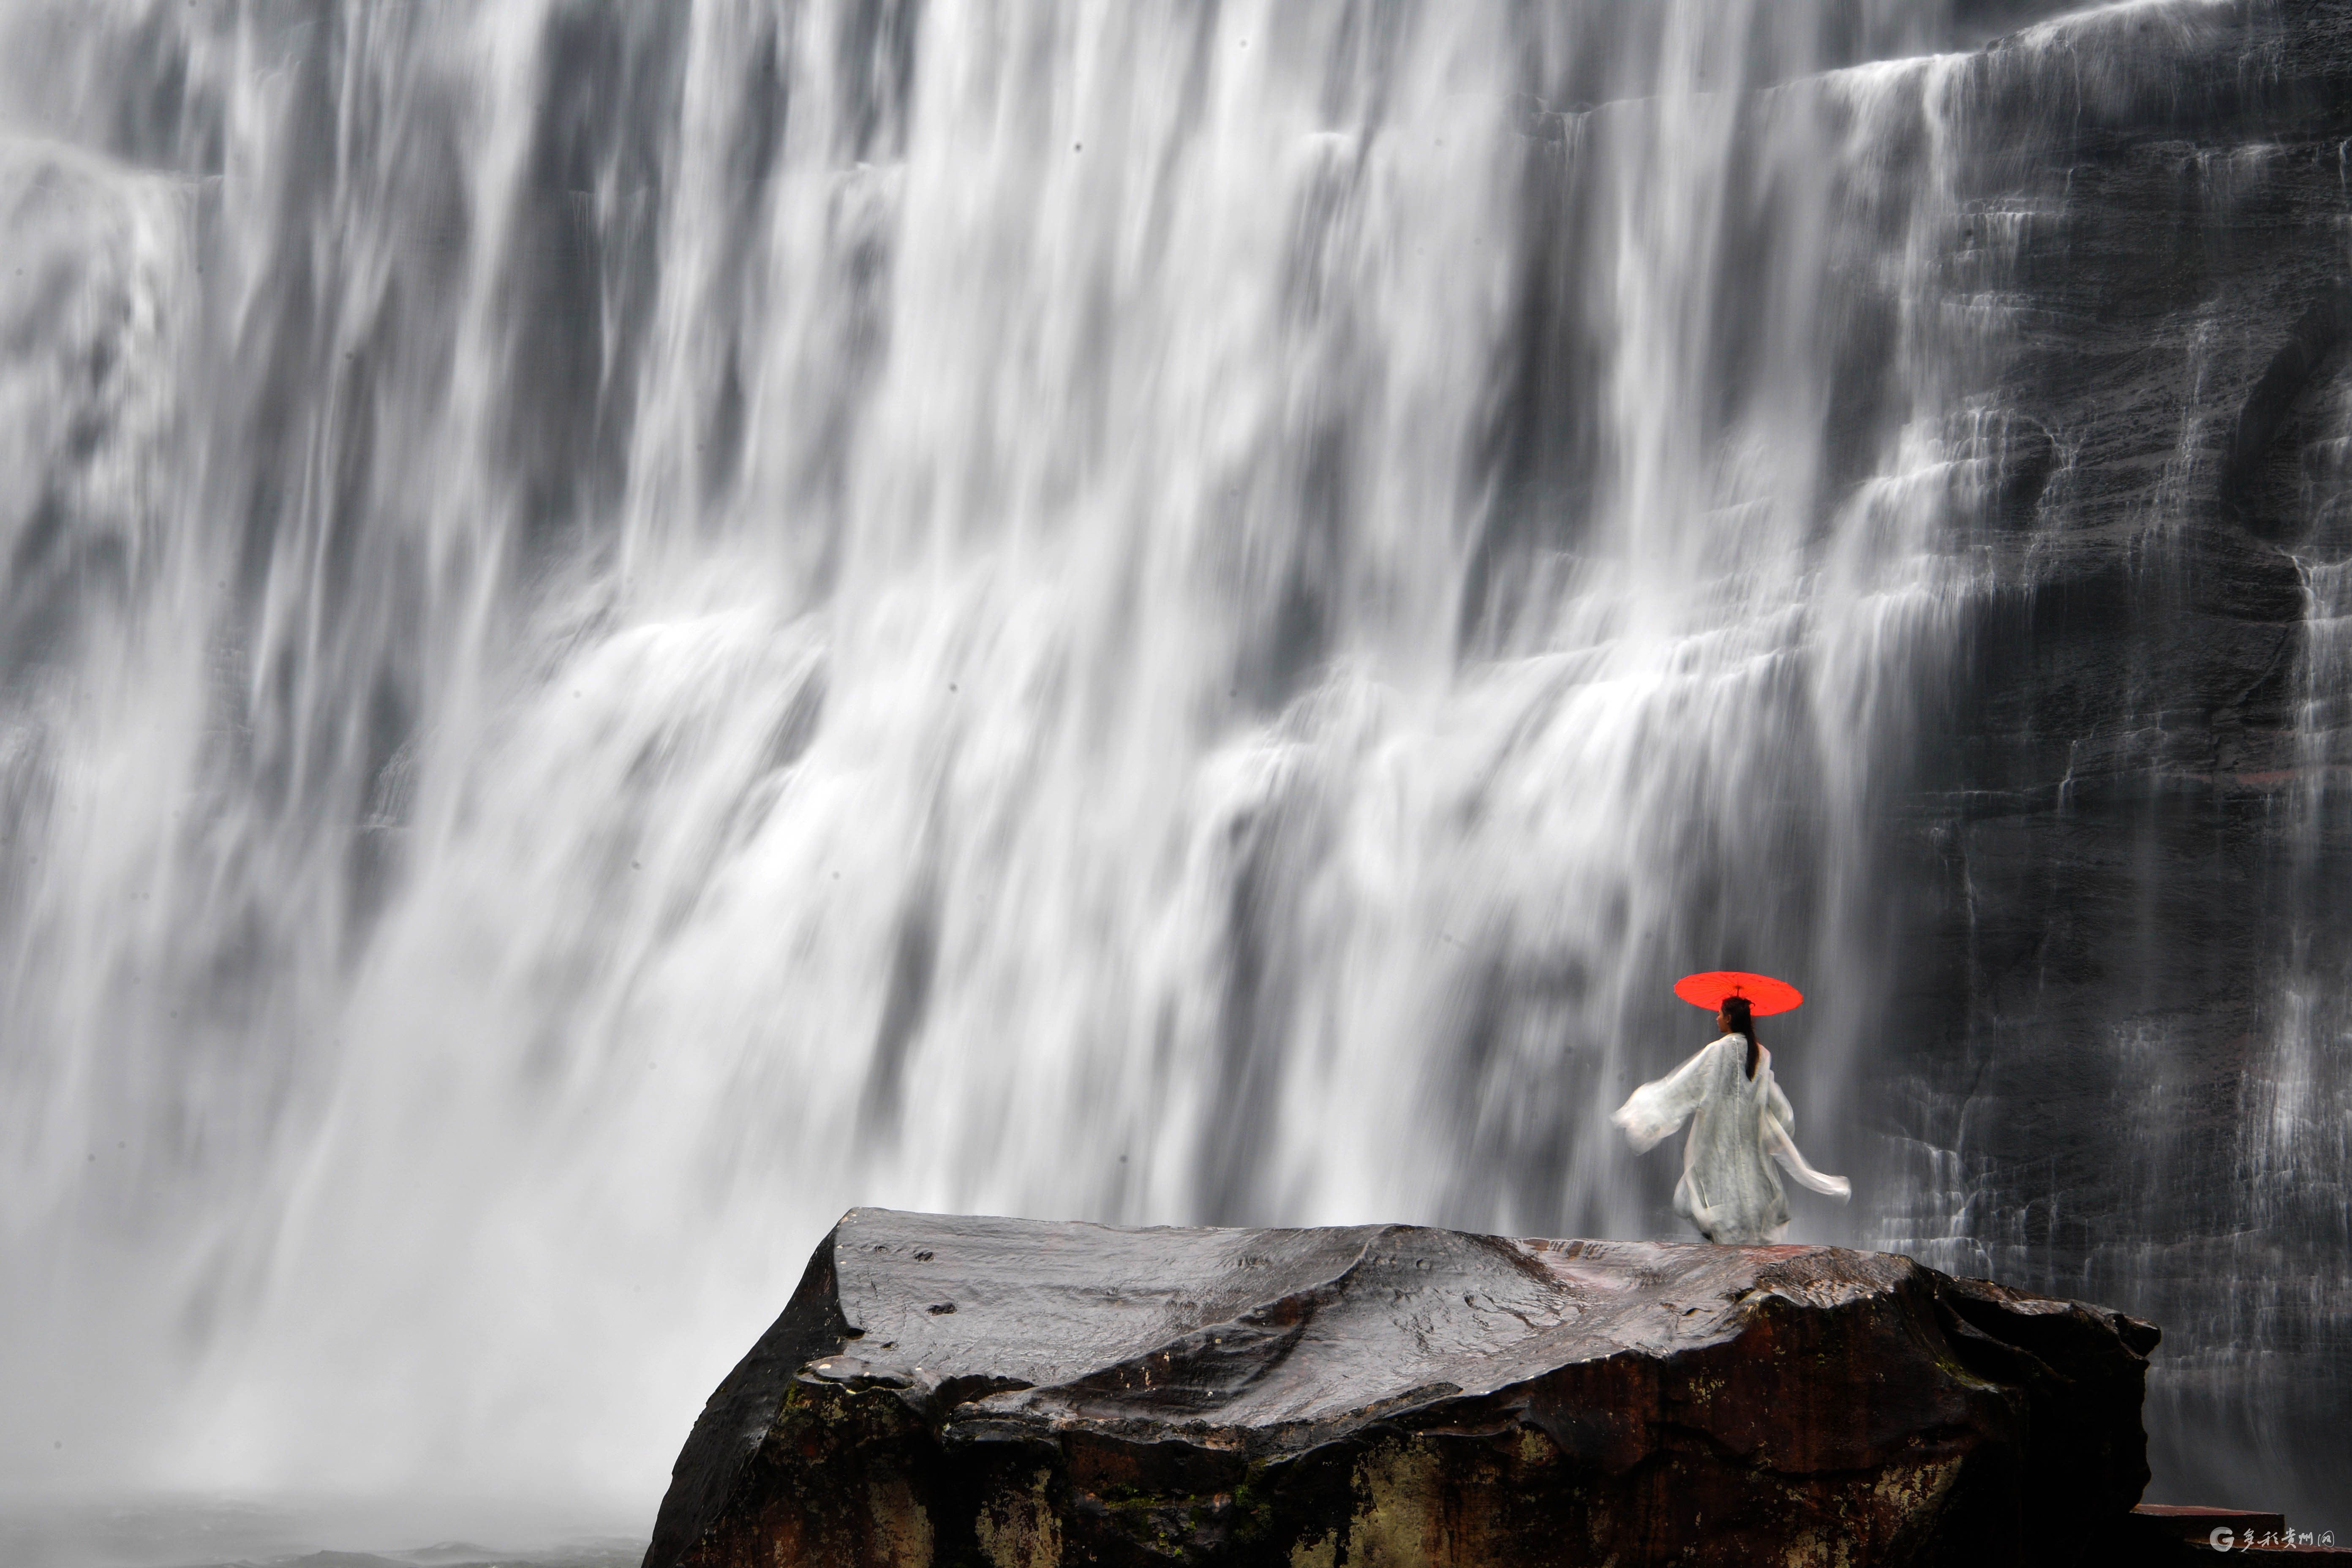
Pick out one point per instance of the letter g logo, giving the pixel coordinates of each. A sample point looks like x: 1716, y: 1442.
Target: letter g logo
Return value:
x: 2222, y: 1539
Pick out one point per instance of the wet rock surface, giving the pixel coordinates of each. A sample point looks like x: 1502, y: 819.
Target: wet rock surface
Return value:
x: 2116, y: 900
x: 2120, y: 883
x: 965, y: 1390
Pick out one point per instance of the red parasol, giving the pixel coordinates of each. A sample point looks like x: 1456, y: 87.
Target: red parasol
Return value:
x: 1765, y: 995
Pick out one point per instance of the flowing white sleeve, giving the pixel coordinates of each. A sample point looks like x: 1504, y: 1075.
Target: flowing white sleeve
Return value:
x: 1653, y: 1111
x: 1783, y: 1148
x: 1777, y: 1105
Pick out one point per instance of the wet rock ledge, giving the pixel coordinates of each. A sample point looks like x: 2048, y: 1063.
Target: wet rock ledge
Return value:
x: 956, y: 1390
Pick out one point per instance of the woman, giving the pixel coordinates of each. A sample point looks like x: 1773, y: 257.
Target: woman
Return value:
x: 1737, y: 1116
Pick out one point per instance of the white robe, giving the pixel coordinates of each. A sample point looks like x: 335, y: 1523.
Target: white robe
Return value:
x: 1729, y: 1189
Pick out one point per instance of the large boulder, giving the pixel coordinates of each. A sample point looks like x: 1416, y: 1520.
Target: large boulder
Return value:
x: 949, y: 1389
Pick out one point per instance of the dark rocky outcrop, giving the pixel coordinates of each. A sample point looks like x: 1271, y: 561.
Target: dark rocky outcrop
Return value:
x: 961, y: 1390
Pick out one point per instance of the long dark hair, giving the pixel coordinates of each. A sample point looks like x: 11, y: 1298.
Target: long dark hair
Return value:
x: 1735, y: 1010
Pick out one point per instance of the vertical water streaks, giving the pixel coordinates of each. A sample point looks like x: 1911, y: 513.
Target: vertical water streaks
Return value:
x: 2286, y: 1275
x: 2134, y: 876
x: 627, y: 625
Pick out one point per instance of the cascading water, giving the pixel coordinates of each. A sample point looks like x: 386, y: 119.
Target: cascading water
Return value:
x: 626, y: 625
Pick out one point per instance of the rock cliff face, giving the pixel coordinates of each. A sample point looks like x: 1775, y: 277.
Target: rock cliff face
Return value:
x: 2101, y: 958
x: 2112, y: 918
x: 2117, y: 1038
x: 959, y: 1390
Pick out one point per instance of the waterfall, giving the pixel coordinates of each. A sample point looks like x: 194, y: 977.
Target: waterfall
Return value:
x: 626, y: 625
